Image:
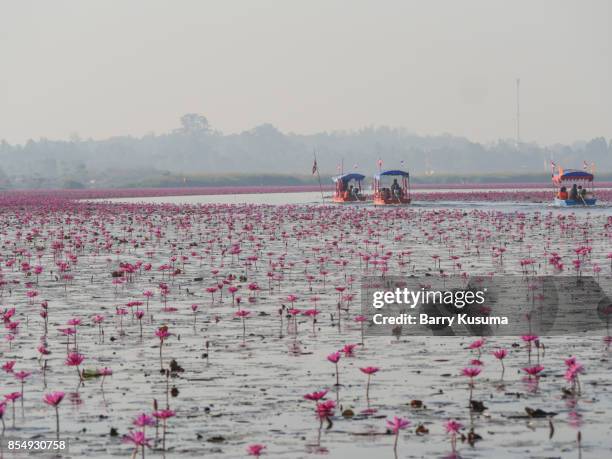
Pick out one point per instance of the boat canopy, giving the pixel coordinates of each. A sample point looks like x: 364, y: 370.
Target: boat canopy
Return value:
x: 348, y: 177
x: 572, y: 175
x: 392, y: 172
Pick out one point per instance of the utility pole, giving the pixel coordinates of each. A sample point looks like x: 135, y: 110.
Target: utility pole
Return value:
x: 518, y: 112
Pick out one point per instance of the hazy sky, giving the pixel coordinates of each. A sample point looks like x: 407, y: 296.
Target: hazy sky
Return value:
x: 112, y: 67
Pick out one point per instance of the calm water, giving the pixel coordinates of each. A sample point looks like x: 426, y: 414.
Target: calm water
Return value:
x: 315, y: 198
x: 253, y: 392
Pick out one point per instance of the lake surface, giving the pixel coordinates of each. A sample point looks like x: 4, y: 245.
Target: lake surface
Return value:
x: 233, y: 392
x: 314, y: 198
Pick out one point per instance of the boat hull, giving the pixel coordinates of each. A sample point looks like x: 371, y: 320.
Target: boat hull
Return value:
x: 378, y: 201
x: 342, y: 200
x: 575, y: 202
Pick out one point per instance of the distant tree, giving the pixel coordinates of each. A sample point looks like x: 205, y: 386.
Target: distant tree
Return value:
x: 5, y: 182
x: 192, y: 123
x: 72, y: 184
x: 266, y: 130
x: 597, y: 150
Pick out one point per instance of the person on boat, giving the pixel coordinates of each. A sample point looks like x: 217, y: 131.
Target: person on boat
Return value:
x: 573, y: 195
x: 563, y: 193
x: 582, y: 193
x: 340, y: 188
x: 355, y: 193
x: 396, y: 189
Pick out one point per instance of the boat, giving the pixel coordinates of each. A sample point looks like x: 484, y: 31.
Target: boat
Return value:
x: 348, y: 188
x: 398, y: 193
x: 575, y: 177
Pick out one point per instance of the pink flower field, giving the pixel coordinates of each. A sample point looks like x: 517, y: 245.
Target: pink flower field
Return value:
x: 236, y: 330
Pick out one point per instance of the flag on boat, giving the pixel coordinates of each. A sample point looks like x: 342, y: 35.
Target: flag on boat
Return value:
x: 585, y: 165
x: 380, y: 163
x: 314, y: 167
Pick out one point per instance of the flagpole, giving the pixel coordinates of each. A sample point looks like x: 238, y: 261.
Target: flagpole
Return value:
x: 314, y: 153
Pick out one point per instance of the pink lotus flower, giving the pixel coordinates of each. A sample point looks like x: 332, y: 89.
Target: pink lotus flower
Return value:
x: 137, y: 438
x: 98, y: 319
x: 67, y: 331
x: 53, y: 398
x: 8, y: 366
x: 316, y: 396
x: 255, y: 449
x: 11, y: 397
x: 452, y: 426
x: 500, y: 354
x: 143, y: 420
x: 397, y: 424
x: 162, y: 333
x: 43, y: 350
x: 572, y: 372
x: 570, y: 362
x: 22, y: 375
x: 334, y: 358
x: 74, y: 321
x: 349, y: 349
x: 369, y: 370
x: 243, y: 314
x: 325, y: 409
x: 105, y: 371
x: 74, y: 359
x: 471, y: 372
x: 6, y: 315
x: 164, y: 414
x: 534, y: 370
